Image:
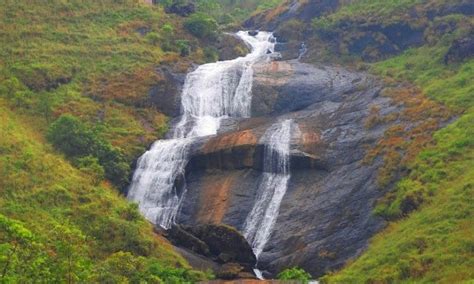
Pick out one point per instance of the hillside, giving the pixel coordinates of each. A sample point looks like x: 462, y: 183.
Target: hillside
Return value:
x: 61, y: 221
x: 415, y: 46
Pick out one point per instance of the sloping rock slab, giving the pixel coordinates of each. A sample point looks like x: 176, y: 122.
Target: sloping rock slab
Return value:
x: 326, y: 215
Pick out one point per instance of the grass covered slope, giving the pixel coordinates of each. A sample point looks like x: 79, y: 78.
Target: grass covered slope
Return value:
x: 58, y: 225
x: 434, y: 243
x: 90, y: 63
x: 94, y: 60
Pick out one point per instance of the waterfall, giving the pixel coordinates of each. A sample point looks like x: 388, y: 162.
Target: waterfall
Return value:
x: 272, y: 186
x: 212, y: 92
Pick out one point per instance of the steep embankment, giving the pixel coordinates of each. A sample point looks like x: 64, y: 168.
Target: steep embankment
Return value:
x: 58, y: 223
x: 423, y: 52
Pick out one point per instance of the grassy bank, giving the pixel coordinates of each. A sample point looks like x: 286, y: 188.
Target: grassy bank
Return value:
x: 435, y: 242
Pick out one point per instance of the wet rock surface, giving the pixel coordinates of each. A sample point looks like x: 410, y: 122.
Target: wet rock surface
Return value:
x: 326, y: 215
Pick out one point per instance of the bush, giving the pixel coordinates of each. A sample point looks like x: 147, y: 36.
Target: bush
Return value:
x: 201, y: 26
x: 183, y: 47
x: 291, y: 30
x: 294, y: 273
x: 71, y: 136
x: 211, y: 54
x: 153, y: 38
x: 91, y: 166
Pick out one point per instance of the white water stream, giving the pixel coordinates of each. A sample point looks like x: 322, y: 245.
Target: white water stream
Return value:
x: 211, y: 93
x: 272, y: 187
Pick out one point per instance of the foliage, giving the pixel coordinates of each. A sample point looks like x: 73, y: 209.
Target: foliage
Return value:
x: 291, y: 30
x: 201, y: 26
x: 124, y: 267
x: 71, y: 136
x: 367, y: 10
x: 294, y: 273
x: 58, y: 224
x: 78, y: 72
x: 93, y: 59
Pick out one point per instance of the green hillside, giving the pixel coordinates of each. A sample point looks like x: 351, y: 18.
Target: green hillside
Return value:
x: 60, y: 220
x: 435, y: 242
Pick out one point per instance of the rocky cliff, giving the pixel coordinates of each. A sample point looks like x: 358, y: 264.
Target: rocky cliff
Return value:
x: 326, y: 215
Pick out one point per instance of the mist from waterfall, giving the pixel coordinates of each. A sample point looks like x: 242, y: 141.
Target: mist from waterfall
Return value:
x: 272, y: 186
x: 212, y: 92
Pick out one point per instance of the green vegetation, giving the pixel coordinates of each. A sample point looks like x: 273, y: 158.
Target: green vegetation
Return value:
x: 367, y: 10
x: 227, y: 11
x: 294, y: 273
x: 76, y: 74
x: 58, y: 224
x: 94, y: 60
x: 201, y: 26
x: 72, y: 137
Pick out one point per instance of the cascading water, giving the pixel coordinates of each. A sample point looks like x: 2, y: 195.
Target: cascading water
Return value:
x: 211, y: 93
x: 272, y: 186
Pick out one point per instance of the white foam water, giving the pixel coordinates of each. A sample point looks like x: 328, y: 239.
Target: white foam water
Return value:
x: 272, y: 186
x: 212, y: 92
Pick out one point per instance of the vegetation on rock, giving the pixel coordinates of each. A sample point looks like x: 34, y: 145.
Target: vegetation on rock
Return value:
x: 294, y: 273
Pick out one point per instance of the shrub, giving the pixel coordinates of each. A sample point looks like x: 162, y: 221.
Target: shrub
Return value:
x: 291, y: 30
x: 183, y: 47
x: 71, y: 136
x: 153, y: 38
x: 91, y: 166
x: 211, y: 54
x: 201, y: 26
x: 294, y: 273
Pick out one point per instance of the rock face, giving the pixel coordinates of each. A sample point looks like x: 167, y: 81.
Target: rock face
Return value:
x: 460, y: 50
x: 225, y: 246
x: 230, y: 47
x: 302, y: 10
x: 166, y: 94
x: 368, y: 38
x: 326, y: 215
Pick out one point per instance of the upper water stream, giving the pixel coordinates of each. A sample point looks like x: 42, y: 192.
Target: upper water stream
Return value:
x: 212, y: 92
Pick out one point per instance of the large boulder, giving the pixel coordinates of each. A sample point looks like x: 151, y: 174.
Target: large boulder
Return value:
x: 461, y: 49
x: 226, y: 243
x: 230, y: 47
x: 220, y: 244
